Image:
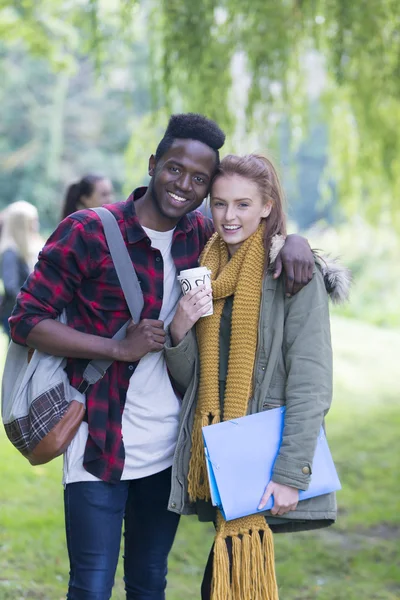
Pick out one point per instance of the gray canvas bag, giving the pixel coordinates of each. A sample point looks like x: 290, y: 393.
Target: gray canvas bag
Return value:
x: 41, y: 411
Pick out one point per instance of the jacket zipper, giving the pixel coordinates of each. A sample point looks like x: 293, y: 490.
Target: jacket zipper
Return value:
x: 258, y: 408
x: 258, y: 351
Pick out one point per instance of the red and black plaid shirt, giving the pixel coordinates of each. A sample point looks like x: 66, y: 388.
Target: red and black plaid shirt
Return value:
x: 75, y: 270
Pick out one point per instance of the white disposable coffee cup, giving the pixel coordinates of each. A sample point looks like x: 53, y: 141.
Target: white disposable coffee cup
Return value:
x: 191, y: 278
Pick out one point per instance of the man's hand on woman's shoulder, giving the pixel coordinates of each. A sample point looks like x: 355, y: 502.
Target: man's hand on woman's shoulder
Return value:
x: 296, y: 260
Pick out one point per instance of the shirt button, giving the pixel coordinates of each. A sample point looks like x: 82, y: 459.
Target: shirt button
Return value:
x: 130, y: 367
x: 306, y: 470
x: 173, y: 505
x: 158, y: 259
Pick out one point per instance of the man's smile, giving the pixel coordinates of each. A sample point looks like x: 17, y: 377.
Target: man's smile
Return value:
x: 176, y: 198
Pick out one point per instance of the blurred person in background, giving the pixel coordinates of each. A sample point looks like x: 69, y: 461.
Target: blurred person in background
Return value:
x: 91, y: 191
x: 2, y: 214
x: 20, y: 244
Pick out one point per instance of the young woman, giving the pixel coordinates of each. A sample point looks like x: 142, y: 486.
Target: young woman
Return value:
x: 91, y: 191
x: 259, y: 350
x: 20, y: 244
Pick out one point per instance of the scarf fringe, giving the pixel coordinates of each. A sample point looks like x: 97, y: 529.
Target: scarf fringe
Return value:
x: 221, y: 586
x: 246, y: 565
x: 251, y: 575
x: 198, y: 486
x: 268, y: 553
x: 236, y: 568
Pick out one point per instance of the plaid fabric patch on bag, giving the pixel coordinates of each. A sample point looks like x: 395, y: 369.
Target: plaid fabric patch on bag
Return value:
x: 44, y: 413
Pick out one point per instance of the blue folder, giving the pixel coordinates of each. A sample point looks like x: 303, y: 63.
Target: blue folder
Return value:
x: 240, y: 456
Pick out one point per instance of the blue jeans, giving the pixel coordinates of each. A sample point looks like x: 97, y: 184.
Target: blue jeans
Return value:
x: 94, y: 512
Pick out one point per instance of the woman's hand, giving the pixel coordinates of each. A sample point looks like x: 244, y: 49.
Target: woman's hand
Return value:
x: 285, y: 498
x: 191, y: 307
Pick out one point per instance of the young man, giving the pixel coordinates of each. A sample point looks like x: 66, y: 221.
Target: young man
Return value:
x: 118, y: 466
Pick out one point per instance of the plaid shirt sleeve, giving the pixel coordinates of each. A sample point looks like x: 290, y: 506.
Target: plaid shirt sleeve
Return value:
x: 76, y: 271
x: 63, y: 263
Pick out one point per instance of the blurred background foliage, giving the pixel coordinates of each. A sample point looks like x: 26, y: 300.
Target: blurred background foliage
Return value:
x: 302, y: 63
x: 87, y: 85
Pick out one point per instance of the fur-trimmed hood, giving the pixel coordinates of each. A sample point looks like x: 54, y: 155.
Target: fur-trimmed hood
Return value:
x: 337, y: 277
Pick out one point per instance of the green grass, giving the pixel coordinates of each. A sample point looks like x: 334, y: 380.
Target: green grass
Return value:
x: 356, y: 559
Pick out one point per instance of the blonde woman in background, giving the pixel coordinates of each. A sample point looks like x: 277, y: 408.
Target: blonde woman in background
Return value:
x: 20, y: 244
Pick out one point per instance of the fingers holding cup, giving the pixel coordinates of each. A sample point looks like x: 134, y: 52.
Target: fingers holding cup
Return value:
x: 194, y: 283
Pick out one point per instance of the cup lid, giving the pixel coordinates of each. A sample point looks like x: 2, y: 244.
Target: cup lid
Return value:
x: 196, y: 272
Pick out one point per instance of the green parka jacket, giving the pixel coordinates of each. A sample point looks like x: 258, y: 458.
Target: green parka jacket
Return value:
x: 293, y: 367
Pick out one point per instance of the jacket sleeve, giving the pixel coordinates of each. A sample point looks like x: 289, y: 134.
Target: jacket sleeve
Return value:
x: 63, y: 262
x: 308, y: 360
x: 181, y: 359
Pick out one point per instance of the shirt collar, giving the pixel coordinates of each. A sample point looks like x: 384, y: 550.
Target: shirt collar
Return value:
x: 134, y: 231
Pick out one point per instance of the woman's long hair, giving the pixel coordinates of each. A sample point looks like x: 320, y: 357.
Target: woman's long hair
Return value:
x: 261, y: 171
x: 20, y: 232
x: 74, y: 193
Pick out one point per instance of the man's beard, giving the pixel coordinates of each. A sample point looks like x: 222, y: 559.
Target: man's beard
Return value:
x: 157, y: 204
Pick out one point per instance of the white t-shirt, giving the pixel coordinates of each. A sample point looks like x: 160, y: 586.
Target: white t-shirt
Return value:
x: 151, y: 414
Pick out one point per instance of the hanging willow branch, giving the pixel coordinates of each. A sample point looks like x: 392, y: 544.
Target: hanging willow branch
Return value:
x: 194, y: 45
x: 360, y: 45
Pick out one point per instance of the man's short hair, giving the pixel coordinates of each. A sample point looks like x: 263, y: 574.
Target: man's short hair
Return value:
x: 191, y: 126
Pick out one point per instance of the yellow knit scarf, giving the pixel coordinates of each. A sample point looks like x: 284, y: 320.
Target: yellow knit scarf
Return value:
x: 253, y: 572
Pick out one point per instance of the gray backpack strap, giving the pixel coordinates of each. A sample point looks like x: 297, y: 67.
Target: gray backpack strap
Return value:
x: 130, y: 285
x: 123, y: 264
x: 96, y: 369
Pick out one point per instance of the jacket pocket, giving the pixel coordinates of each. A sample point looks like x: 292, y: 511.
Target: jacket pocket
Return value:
x: 270, y: 403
